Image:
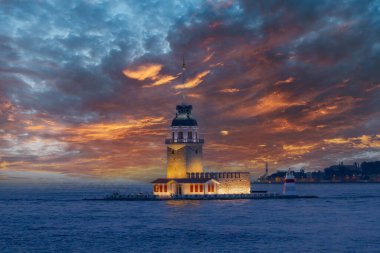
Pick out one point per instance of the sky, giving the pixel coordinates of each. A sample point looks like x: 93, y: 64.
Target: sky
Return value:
x: 88, y: 89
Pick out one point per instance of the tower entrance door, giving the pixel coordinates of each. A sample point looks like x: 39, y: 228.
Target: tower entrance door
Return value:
x: 179, y: 189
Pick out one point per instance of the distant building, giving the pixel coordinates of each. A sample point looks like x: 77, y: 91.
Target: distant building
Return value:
x: 184, y: 172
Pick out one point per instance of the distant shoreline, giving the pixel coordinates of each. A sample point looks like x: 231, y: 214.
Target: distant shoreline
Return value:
x: 329, y: 182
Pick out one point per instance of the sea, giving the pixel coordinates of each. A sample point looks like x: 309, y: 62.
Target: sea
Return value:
x: 55, y: 218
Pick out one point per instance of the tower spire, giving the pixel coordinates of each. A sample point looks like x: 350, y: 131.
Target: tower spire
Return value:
x: 183, y: 77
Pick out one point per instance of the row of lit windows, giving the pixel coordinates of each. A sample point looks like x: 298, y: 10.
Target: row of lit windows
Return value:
x: 196, y: 187
x: 214, y: 175
x: 193, y: 188
x: 189, y: 135
x: 160, y: 188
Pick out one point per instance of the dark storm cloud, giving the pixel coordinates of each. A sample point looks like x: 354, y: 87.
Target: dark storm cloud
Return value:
x: 294, y: 83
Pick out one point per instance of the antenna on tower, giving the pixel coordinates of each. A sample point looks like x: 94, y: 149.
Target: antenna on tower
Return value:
x: 183, y: 76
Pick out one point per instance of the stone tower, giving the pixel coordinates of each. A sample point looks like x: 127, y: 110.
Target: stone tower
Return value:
x: 184, y: 148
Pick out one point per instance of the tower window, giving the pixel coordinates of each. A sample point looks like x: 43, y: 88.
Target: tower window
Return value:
x: 196, y: 187
x: 191, y: 188
x: 201, y: 188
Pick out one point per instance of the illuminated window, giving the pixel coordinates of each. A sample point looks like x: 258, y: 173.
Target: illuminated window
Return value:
x: 156, y: 188
x: 201, y: 188
x: 191, y: 188
x: 165, y: 188
x: 196, y: 187
x: 212, y: 188
x: 160, y: 187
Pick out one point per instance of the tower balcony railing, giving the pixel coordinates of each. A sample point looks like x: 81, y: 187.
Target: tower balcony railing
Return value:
x: 170, y: 141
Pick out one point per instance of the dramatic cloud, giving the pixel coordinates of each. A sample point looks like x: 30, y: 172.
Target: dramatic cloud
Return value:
x: 89, y: 88
x: 193, y: 82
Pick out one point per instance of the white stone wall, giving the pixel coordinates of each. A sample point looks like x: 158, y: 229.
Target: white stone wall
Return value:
x: 232, y: 185
x: 230, y: 182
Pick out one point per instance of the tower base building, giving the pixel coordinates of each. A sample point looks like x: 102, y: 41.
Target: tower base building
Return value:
x: 184, y: 172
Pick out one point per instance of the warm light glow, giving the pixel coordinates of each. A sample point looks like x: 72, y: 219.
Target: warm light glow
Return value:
x: 224, y: 132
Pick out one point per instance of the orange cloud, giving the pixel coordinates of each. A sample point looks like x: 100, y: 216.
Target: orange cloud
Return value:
x: 298, y: 149
x: 194, y: 95
x: 364, y: 141
x: 333, y: 106
x: 150, y: 72
x: 229, y: 90
x: 267, y: 104
x: 111, y: 131
x: 143, y: 72
x: 283, y: 125
x: 208, y: 57
x: 193, y: 82
x: 286, y: 81
x: 162, y: 80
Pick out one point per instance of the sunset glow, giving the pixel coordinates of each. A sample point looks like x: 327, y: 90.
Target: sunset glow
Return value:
x: 91, y: 94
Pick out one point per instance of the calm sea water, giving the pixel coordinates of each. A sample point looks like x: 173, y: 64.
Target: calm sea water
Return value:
x: 55, y: 219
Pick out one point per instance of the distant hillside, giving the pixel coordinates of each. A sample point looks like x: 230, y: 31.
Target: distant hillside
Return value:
x: 365, y: 172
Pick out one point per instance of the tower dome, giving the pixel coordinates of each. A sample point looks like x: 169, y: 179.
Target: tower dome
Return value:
x: 183, y: 116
